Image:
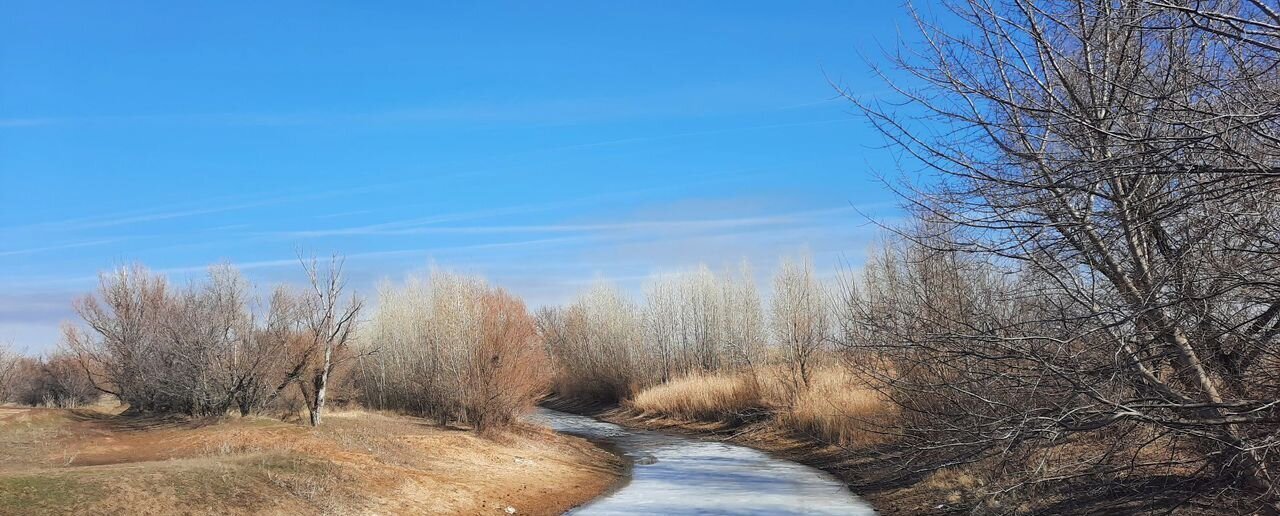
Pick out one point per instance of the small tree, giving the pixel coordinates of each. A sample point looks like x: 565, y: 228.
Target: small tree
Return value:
x: 800, y: 318
x: 8, y: 373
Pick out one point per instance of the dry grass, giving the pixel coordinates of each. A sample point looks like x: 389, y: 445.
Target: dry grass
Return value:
x: 839, y: 408
x: 86, y: 462
x: 836, y: 407
x: 951, y: 484
x: 716, y: 397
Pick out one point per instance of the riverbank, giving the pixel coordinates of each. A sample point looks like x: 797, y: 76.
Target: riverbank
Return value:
x: 678, y: 474
x: 59, y: 461
x: 887, y: 491
x: 890, y: 490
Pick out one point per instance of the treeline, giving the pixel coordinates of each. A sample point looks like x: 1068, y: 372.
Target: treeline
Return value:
x: 609, y: 347
x: 53, y: 381
x: 206, y: 348
x: 449, y: 347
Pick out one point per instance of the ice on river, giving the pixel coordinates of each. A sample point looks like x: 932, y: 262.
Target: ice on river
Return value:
x: 680, y: 475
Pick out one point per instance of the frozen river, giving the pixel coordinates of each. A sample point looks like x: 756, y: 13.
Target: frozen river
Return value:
x: 673, y: 474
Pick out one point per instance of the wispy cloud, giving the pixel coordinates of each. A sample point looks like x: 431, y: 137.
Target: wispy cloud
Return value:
x: 209, y: 206
x: 683, y: 104
x: 424, y: 252
x: 58, y: 247
x: 421, y: 228
x: 27, y: 122
x: 672, y: 136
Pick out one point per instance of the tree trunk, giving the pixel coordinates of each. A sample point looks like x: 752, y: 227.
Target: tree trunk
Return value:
x: 317, y: 403
x: 322, y: 386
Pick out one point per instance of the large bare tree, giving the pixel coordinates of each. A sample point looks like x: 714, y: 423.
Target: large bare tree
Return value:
x: 1112, y: 167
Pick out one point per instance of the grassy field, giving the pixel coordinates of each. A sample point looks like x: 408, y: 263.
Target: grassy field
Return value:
x: 91, y: 461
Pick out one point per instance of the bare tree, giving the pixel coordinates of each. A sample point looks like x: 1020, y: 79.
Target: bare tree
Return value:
x: 701, y: 321
x: 330, y: 324
x: 1119, y: 160
x: 8, y: 373
x: 597, y: 342
x: 198, y: 350
x: 53, y: 381
x: 455, y: 349
x: 126, y: 356
x: 663, y: 326
x: 800, y: 319
x: 1252, y: 22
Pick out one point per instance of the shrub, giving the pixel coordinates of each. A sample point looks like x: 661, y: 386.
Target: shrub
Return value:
x: 455, y: 349
x: 597, y: 344
x: 836, y: 407
x: 56, y: 381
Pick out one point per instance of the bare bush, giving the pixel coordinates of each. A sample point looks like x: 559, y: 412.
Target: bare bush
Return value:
x: 509, y: 370
x: 192, y: 351
x: 597, y: 345
x: 801, y: 320
x: 453, y: 348
x: 54, y: 381
x: 205, y: 349
x: 8, y: 373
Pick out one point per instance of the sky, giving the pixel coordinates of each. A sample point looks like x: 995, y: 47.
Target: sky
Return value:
x: 544, y: 145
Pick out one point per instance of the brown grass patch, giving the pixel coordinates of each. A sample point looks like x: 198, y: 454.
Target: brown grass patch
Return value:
x: 839, y: 408
x: 358, y: 462
x: 836, y: 407
x: 716, y: 397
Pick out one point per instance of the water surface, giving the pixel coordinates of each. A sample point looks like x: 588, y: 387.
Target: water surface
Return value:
x: 676, y: 475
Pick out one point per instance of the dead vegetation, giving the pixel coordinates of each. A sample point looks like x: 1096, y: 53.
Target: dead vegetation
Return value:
x: 180, y: 360
x: 835, y: 408
x: 57, y: 461
x: 453, y: 349
x: 1081, y: 310
x: 209, y: 347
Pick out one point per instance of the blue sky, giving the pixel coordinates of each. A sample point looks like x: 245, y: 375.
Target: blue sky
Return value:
x: 544, y: 145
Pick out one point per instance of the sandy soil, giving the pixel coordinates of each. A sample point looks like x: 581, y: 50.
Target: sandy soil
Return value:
x: 55, y: 461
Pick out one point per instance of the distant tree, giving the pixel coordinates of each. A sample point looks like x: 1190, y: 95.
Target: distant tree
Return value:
x: 598, y: 343
x: 209, y: 347
x: 800, y: 319
x: 8, y: 373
